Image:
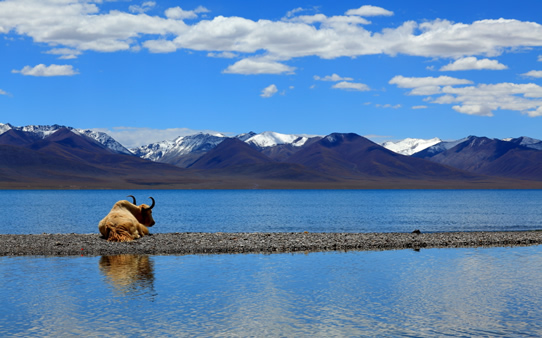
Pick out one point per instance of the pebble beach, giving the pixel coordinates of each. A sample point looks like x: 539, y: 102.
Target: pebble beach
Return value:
x: 234, y: 243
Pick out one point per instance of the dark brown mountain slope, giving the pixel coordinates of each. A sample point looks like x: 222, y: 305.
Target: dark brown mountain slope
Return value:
x: 235, y: 158
x: 350, y: 155
x: 18, y: 138
x: 493, y: 157
x: 282, y: 152
x: 68, y: 159
x: 230, y: 153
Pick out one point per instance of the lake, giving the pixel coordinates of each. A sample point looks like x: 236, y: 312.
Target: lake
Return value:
x: 36, y: 212
x: 431, y: 292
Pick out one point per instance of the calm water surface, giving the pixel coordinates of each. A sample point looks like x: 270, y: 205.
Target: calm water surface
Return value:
x: 433, y: 292
x: 34, y: 212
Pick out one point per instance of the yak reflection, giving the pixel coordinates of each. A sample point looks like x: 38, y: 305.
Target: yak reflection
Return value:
x: 129, y: 274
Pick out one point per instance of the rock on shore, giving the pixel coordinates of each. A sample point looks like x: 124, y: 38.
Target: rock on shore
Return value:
x: 214, y: 243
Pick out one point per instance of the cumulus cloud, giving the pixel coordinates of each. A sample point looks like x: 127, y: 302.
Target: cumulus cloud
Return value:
x: 3, y: 92
x: 43, y: 70
x: 333, y: 78
x: 160, y: 46
x: 224, y: 55
x: 421, y: 82
x: 82, y: 26
x: 291, y: 13
x: 345, y: 85
x: 472, y: 63
x: 269, y: 91
x: 65, y: 53
x: 369, y: 10
x: 258, y: 66
x: 144, y: 7
x: 481, y: 99
x: 534, y: 73
x: 330, y: 21
x: 177, y: 13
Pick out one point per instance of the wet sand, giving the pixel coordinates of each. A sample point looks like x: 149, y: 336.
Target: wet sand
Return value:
x: 232, y: 243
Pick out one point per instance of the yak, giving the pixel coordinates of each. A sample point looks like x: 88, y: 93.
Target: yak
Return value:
x: 126, y: 221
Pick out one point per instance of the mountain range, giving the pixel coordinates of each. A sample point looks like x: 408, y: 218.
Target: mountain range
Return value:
x: 67, y: 158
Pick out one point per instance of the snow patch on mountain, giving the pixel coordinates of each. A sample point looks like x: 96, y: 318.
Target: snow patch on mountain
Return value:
x: 443, y: 146
x: 245, y: 136
x: 43, y: 131
x: 104, y: 139
x: 271, y: 139
x: 410, y: 146
x: 182, y: 145
x: 526, y: 142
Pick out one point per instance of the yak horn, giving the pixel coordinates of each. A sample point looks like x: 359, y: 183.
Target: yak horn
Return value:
x: 133, y: 198
x: 152, y: 205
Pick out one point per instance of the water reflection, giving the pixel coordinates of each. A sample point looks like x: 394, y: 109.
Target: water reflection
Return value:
x: 432, y: 292
x: 130, y: 275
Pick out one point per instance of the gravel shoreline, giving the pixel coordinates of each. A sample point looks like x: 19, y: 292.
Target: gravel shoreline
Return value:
x: 231, y: 243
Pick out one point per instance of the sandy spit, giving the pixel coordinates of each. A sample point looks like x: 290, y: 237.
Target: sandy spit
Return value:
x: 216, y: 243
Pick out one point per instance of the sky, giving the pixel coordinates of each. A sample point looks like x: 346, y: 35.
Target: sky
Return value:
x: 146, y: 71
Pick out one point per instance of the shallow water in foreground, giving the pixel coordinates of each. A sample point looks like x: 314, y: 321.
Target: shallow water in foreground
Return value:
x: 432, y: 292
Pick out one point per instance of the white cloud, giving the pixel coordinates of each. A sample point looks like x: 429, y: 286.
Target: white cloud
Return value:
x: 442, y: 38
x: 474, y: 109
x: 224, y: 55
x: 387, y: 105
x: 420, y: 107
x: 65, y: 53
x: 472, y: 63
x: 160, y: 46
x: 82, y: 26
x: 534, y: 73
x: 3, y: 92
x: 132, y: 137
x: 481, y: 99
x: 269, y: 91
x: 258, y: 66
x: 417, y: 82
x: 345, y: 85
x: 369, y: 10
x: 144, y: 7
x: 43, y: 70
x: 330, y: 21
x: 333, y: 78
x: 177, y: 13
x: 291, y: 13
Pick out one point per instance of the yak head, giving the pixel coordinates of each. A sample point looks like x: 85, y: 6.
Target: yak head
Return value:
x: 145, y: 212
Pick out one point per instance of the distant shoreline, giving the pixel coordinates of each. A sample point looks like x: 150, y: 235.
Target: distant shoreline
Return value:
x: 232, y: 243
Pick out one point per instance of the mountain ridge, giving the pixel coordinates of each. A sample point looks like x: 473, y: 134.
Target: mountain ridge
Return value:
x: 57, y: 156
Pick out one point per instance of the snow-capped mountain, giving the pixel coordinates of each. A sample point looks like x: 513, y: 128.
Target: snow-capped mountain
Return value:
x: 42, y: 131
x: 439, y: 147
x: 410, y: 146
x: 526, y: 142
x: 271, y: 139
x: 165, y: 150
x: 187, y: 146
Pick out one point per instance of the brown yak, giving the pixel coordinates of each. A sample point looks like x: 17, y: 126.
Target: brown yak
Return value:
x: 126, y: 221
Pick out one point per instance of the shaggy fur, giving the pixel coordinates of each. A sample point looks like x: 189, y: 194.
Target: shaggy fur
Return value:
x: 126, y: 222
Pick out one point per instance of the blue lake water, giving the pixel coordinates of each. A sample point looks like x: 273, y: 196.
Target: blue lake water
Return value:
x: 35, y: 212
x: 432, y: 292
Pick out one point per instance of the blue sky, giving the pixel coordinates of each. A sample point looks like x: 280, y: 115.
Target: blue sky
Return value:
x: 146, y: 71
